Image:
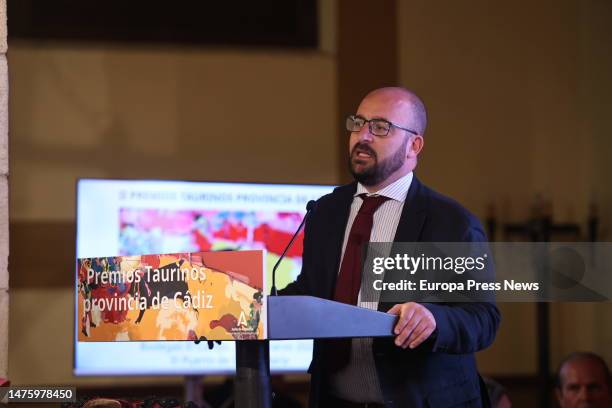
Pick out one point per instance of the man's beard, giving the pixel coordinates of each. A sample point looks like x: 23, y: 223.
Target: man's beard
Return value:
x: 377, y: 172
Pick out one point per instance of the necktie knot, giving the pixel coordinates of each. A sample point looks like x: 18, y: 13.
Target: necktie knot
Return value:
x: 371, y: 203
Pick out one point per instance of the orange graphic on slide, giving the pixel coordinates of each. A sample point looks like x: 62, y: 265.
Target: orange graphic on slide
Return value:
x: 183, y: 296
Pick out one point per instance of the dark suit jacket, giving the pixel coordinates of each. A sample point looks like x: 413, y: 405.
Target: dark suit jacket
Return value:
x: 441, y: 372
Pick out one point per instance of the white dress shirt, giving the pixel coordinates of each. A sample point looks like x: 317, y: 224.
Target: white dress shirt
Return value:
x: 358, y: 381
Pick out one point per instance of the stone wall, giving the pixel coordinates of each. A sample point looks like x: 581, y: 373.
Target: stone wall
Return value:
x: 4, y: 293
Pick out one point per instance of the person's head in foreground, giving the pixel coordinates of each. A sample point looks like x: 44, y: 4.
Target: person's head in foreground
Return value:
x: 583, y: 381
x: 386, y: 136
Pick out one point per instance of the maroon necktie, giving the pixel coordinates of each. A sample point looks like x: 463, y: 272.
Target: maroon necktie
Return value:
x: 349, y: 280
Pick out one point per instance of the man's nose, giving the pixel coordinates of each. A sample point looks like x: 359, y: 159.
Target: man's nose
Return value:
x: 583, y: 394
x: 364, y: 134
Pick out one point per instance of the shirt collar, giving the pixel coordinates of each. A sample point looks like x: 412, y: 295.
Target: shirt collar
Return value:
x: 396, y: 191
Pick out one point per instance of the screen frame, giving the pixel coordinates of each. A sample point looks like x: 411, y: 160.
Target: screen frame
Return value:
x: 75, y: 370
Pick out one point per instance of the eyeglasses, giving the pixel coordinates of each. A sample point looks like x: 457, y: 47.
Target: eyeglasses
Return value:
x: 378, y: 127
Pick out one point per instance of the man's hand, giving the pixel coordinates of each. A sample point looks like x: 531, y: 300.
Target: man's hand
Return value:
x: 414, y: 326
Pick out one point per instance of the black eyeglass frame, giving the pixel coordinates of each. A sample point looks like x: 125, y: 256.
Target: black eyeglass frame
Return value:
x: 369, y: 122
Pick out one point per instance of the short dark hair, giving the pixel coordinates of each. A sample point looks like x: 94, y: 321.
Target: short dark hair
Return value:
x: 583, y: 355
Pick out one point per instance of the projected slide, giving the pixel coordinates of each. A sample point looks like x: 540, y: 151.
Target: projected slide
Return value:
x: 135, y: 217
x: 150, y: 231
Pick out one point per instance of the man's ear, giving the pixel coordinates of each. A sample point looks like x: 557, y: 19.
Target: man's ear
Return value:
x: 415, y: 146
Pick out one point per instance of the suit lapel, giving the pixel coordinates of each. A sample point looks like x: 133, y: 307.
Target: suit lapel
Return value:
x: 409, y: 229
x: 337, y: 226
x: 413, y: 214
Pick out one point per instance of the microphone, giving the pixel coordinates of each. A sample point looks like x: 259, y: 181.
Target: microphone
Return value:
x: 310, y: 207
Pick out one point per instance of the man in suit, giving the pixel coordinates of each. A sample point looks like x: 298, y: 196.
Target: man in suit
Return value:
x: 430, y: 360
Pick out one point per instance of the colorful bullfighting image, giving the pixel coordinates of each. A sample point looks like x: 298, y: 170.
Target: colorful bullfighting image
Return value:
x: 181, y: 296
x: 145, y: 231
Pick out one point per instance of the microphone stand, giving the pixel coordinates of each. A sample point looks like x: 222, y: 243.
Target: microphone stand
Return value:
x: 309, y: 208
